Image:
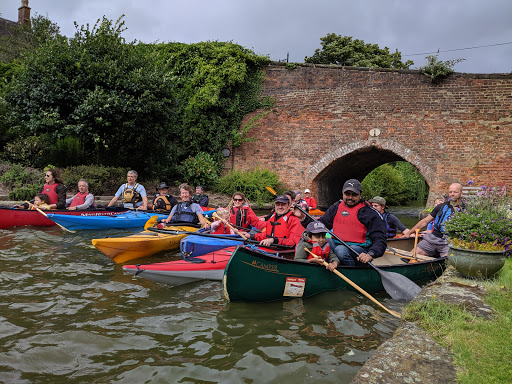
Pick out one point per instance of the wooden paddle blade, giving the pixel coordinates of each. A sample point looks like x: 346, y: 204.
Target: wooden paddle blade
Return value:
x: 271, y: 190
x: 151, y: 222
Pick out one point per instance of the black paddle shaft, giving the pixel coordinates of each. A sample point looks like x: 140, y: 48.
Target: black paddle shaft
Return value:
x: 177, y: 232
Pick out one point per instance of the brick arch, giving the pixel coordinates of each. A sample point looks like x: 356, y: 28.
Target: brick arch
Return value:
x: 324, y: 121
x: 356, y: 160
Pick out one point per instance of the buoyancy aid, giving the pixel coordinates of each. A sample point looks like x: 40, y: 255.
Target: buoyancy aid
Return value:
x: 390, y: 230
x: 322, y: 251
x: 51, y: 191
x: 79, y: 199
x: 222, y: 229
x: 43, y: 207
x: 130, y: 195
x: 279, y: 227
x: 184, y: 213
x: 239, y: 217
x: 161, y: 202
x: 346, y: 225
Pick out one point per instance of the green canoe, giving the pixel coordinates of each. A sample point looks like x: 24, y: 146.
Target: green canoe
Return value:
x: 254, y: 276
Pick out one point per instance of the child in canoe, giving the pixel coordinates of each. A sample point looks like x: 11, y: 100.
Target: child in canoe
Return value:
x: 218, y: 227
x: 41, y: 201
x: 314, y: 240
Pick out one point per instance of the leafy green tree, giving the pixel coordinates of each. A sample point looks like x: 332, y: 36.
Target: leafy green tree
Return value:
x: 109, y: 95
x: 343, y: 50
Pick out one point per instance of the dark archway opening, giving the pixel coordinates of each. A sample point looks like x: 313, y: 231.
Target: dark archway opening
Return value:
x: 355, y: 165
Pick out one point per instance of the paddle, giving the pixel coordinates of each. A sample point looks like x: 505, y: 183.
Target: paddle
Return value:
x: 396, y: 285
x: 396, y: 314
x: 41, y: 212
x: 415, y: 241
x: 228, y: 224
x: 151, y: 222
x: 271, y: 190
x: 177, y: 232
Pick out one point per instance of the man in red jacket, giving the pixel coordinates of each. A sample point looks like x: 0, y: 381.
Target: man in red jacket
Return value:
x: 283, y: 227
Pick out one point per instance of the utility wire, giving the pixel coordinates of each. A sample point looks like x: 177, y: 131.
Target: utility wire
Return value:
x: 458, y: 49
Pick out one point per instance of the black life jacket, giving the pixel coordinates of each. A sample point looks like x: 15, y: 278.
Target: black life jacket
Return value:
x: 184, y: 214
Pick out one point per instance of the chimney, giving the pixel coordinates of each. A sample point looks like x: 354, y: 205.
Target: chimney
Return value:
x: 24, y: 14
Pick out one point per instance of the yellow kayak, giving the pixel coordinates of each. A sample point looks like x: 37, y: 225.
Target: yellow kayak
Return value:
x: 145, y: 243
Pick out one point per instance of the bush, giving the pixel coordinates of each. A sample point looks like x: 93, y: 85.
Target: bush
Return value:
x: 23, y: 182
x: 102, y: 180
x: 436, y: 69
x: 251, y: 183
x: 397, y: 182
x: 200, y: 169
x: 27, y: 150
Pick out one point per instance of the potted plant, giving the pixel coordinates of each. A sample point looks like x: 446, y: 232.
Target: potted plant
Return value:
x: 480, y: 235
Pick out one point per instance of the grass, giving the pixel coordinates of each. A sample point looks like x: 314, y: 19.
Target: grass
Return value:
x: 482, y: 349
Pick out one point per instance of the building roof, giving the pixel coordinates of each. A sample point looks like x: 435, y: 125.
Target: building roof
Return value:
x: 5, y: 27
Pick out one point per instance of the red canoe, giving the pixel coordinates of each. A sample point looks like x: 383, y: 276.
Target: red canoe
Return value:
x: 11, y: 217
x: 206, y: 267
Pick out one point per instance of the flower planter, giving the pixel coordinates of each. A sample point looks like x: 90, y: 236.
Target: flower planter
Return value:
x: 476, y: 264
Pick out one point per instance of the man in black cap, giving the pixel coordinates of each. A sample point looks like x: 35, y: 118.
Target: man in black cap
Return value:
x: 162, y: 200
x: 358, y: 224
x: 283, y: 227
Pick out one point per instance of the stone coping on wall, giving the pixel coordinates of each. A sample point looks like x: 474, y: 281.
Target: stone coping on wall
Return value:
x: 411, y: 355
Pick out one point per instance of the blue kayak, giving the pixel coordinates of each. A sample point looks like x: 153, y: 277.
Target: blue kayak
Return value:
x: 198, y: 245
x: 130, y: 219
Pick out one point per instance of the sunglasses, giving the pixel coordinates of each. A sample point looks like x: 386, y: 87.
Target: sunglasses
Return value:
x: 238, y: 199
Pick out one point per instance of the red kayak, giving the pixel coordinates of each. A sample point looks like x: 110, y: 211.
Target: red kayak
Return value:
x: 13, y: 217
x: 206, y: 267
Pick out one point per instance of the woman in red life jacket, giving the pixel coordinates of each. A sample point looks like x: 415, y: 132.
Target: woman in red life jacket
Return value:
x: 54, y: 188
x: 218, y: 227
x: 314, y: 240
x: 283, y: 227
x: 83, y: 199
x: 241, y: 215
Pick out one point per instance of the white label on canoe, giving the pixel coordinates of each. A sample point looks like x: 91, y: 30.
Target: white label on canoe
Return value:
x: 294, y: 286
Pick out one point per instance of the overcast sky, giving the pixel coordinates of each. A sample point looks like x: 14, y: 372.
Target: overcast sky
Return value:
x: 277, y: 27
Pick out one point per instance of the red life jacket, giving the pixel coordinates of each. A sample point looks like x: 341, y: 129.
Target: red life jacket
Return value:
x: 222, y: 230
x: 50, y: 190
x: 278, y: 228
x: 346, y: 225
x: 242, y: 218
x: 323, y: 252
x: 79, y: 199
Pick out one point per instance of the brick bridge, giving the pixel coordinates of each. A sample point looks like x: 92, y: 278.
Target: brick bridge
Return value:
x: 333, y: 123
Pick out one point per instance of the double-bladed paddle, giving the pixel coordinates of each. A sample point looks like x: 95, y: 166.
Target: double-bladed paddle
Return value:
x: 178, y: 232
x: 396, y: 285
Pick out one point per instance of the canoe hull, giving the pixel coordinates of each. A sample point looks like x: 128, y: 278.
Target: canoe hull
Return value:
x: 125, y: 220
x: 286, y: 279
x: 10, y: 217
x: 143, y: 244
x: 181, y: 272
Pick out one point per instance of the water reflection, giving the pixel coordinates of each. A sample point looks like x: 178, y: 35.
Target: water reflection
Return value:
x: 69, y: 314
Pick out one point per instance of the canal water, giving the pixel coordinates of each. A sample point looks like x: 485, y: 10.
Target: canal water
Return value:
x: 68, y: 314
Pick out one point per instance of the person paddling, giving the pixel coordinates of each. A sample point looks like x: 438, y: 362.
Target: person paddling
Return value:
x: 133, y: 193
x: 54, y: 188
x: 186, y: 211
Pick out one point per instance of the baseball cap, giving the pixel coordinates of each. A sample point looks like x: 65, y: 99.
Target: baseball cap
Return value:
x: 378, y: 200
x: 316, y: 227
x: 282, y: 199
x: 352, y: 185
x: 307, y: 191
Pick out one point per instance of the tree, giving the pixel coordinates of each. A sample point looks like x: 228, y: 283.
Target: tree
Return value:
x: 343, y: 50
x: 437, y: 69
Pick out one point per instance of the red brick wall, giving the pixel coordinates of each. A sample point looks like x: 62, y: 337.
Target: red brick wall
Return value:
x: 318, y: 134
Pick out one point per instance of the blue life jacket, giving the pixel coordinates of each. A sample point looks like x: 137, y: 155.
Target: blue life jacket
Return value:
x: 390, y: 228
